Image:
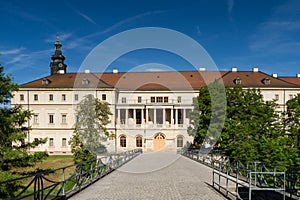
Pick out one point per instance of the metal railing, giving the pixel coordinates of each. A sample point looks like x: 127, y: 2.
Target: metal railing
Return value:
x: 250, y: 175
x: 40, y: 186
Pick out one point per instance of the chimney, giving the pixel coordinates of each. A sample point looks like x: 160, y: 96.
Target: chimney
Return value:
x: 275, y: 75
x: 87, y: 71
x: 298, y: 75
x: 202, y: 69
x: 234, y: 69
x: 61, y: 71
x: 255, y: 69
x: 115, y: 71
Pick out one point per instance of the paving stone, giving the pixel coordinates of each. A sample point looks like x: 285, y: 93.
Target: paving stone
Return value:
x: 159, y: 175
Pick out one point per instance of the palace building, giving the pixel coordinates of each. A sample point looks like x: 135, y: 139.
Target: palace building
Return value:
x: 150, y: 110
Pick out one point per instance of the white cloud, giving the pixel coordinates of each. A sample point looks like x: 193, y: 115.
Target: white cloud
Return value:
x: 84, y: 16
x: 230, y: 4
x: 17, y: 58
x: 198, y: 31
x: 12, y: 51
x: 126, y: 21
x: 275, y: 36
x: 279, y: 33
x: 87, y: 18
x: 25, y: 60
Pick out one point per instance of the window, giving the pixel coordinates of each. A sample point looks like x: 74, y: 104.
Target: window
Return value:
x: 180, y: 141
x: 64, y: 142
x: 45, y: 81
x: 291, y: 96
x: 85, y: 81
x: 152, y: 99
x: 266, y: 81
x: 103, y: 97
x: 76, y: 97
x: 159, y: 99
x: 139, y: 99
x: 237, y: 81
x: 51, y: 142
x: 36, y: 97
x: 64, y: 118
x: 179, y: 99
x: 35, y: 119
x: 63, y: 97
x: 50, y: 97
x: 123, y: 99
x: 51, y: 119
x: 276, y: 97
x: 139, y: 141
x: 166, y: 99
x: 21, y: 97
x: 123, y: 141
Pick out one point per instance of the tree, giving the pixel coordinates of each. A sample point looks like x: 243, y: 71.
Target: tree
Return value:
x: 92, y: 116
x: 13, y: 132
x: 292, y: 122
x: 208, y: 115
x: 252, y: 129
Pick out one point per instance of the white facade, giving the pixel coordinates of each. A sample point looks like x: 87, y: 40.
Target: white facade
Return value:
x: 153, y: 120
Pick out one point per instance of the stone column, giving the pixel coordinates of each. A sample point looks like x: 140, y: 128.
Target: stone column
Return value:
x: 134, y: 115
x: 172, y: 117
x: 126, y: 117
x: 176, y: 116
x: 184, y: 116
x: 147, y: 115
x: 154, y: 116
x: 164, y: 117
x: 142, y: 116
x: 119, y: 117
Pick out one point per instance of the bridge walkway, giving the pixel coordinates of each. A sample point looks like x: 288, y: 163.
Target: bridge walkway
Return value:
x: 159, y: 175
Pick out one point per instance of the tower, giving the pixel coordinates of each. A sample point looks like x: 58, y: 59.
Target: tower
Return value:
x: 57, y: 66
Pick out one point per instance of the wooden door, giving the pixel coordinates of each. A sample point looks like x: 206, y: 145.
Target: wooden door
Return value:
x: 159, y: 142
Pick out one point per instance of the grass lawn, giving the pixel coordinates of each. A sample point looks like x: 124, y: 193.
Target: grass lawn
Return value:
x: 52, y: 162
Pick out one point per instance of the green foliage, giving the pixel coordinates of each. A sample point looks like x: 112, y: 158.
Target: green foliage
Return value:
x: 208, y: 116
x: 13, y: 132
x: 292, y: 122
x: 252, y: 130
x: 7, y: 189
x: 92, y: 116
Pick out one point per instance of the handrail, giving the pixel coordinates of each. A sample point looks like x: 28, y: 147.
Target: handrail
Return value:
x: 262, y: 174
x: 41, y: 187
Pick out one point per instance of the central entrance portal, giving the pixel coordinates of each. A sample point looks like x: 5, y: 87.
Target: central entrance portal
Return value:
x: 159, y: 142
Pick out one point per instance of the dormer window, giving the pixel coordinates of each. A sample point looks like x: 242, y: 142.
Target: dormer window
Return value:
x: 85, y: 81
x: 266, y: 81
x: 45, y: 81
x: 237, y: 81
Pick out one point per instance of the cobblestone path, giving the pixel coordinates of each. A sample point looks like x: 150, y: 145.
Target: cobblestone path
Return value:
x: 158, y: 175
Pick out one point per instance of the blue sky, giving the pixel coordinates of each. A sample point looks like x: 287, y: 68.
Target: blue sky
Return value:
x: 235, y: 33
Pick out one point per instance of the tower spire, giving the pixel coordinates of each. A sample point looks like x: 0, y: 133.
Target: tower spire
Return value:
x: 57, y: 66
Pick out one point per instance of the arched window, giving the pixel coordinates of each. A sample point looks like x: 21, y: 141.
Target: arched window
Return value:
x: 139, y: 141
x: 179, y: 141
x: 123, y: 141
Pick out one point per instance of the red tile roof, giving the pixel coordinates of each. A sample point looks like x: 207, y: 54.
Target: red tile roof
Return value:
x: 192, y: 80
x: 160, y: 81
x: 71, y: 80
x: 294, y: 80
x: 255, y: 79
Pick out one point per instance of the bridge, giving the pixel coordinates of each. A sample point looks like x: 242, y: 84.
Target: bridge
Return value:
x: 158, y: 175
x: 188, y: 174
